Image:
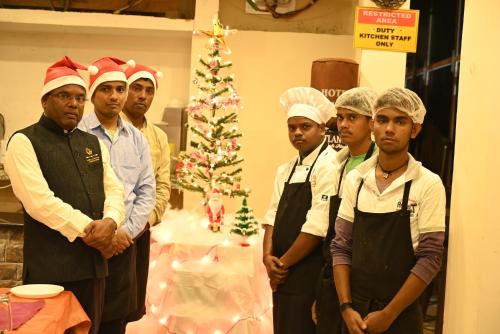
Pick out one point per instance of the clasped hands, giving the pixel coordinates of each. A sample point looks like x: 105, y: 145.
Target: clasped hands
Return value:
x: 102, y: 235
x: 374, y: 323
x: 276, y: 271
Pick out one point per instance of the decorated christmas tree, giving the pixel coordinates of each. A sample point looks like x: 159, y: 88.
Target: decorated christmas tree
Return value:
x: 223, y: 287
x: 212, y: 161
x: 245, y: 223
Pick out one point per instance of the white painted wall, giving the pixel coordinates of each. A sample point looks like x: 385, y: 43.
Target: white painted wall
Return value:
x: 473, y: 289
x: 324, y: 17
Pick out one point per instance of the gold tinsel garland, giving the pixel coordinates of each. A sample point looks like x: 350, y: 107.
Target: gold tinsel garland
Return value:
x: 390, y: 4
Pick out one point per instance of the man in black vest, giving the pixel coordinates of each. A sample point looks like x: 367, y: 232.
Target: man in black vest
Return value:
x: 72, y: 200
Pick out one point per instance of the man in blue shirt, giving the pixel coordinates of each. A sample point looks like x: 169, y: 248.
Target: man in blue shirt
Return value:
x: 130, y: 159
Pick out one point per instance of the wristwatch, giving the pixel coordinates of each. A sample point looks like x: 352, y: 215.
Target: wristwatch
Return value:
x: 344, y: 306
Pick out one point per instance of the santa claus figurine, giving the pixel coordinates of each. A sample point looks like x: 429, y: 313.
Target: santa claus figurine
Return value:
x: 215, y: 210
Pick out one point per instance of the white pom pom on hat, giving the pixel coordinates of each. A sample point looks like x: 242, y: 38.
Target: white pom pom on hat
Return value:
x: 93, y: 70
x: 131, y: 63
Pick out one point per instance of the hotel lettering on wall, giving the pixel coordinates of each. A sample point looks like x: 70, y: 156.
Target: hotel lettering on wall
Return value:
x: 386, y: 29
x: 332, y: 77
x: 331, y: 93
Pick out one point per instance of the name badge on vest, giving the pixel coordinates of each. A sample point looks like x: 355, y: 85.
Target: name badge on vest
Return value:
x: 90, y: 156
x: 300, y: 174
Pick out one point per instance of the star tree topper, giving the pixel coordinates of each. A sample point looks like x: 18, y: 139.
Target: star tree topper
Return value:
x: 218, y: 32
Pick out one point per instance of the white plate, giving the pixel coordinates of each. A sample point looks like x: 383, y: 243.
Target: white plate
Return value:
x: 37, y: 290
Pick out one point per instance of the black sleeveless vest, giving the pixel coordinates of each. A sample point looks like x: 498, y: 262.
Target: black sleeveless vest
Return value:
x: 72, y: 166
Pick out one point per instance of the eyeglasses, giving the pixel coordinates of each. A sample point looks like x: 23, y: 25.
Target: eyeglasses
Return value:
x: 65, y: 97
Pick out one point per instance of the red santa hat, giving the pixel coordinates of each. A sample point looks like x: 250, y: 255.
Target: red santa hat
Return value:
x: 143, y: 72
x: 107, y: 69
x: 62, y: 73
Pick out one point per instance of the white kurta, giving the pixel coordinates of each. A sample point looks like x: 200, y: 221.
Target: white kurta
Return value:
x: 39, y: 201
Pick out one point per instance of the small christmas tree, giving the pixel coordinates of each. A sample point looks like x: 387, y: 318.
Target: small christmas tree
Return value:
x: 245, y: 224
x: 212, y: 162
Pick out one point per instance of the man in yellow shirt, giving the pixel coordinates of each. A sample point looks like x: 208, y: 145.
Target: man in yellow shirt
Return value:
x: 143, y: 83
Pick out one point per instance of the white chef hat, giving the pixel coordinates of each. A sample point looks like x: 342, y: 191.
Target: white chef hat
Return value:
x: 361, y: 100
x: 307, y: 102
x: 403, y: 100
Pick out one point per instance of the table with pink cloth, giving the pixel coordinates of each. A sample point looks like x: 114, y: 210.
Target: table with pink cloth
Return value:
x: 59, y: 314
x: 201, y: 282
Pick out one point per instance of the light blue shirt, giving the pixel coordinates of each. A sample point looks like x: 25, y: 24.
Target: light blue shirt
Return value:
x: 131, y: 162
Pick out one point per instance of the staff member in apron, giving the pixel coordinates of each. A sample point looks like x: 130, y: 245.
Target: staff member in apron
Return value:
x: 297, y: 219
x: 354, y: 112
x: 390, y: 226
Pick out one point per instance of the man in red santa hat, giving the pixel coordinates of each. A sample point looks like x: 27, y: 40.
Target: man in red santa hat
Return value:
x: 131, y: 161
x: 72, y: 199
x: 143, y: 83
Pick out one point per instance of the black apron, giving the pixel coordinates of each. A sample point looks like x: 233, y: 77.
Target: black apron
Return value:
x: 294, y: 298
x: 328, y: 313
x: 382, y: 258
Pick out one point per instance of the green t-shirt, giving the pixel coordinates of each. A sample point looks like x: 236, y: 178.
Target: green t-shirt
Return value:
x: 353, y: 162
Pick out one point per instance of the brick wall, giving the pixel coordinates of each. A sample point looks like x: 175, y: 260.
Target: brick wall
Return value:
x: 11, y: 254
x: 11, y: 235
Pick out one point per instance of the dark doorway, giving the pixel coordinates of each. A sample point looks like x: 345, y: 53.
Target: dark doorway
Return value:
x: 433, y: 73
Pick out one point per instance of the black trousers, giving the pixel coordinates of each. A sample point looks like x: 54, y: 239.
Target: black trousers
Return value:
x: 142, y: 245
x: 116, y: 326
x: 292, y: 313
x: 327, y: 307
x: 90, y: 294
